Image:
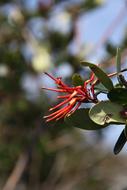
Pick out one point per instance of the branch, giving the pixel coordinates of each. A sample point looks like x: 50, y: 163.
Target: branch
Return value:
x: 17, y: 172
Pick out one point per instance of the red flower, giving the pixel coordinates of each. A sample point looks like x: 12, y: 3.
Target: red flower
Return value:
x: 73, y: 97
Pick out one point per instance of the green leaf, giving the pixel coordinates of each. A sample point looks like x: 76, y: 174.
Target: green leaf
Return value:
x: 101, y: 75
x: 81, y: 119
x: 118, y: 95
x: 118, y: 60
x: 125, y: 131
x: 77, y: 80
x: 106, y: 112
x: 99, y: 88
x: 120, y: 143
x: 121, y: 79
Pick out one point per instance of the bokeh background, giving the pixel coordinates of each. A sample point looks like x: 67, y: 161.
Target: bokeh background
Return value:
x: 54, y: 36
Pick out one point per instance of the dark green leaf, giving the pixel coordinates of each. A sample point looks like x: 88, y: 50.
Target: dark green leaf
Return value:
x: 118, y: 60
x: 100, y: 88
x: 118, y: 95
x: 80, y: 119
x: 101, y: 75
x: 106, y: 112
x: 77, y: 80
x: 120, y: 77
x: 125, y: 131
x: 120, y: 143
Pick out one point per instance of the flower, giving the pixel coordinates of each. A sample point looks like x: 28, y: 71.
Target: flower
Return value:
x: 73, y: 97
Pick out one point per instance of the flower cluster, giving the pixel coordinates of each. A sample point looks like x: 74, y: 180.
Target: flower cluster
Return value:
x: 72, y: 97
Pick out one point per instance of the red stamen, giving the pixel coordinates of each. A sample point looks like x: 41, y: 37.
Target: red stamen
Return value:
x: 60, y: 104
x: 64, y: 114
x: 54, y: 113
x: 60, y: 117
x: 61, y: 112
x: 74, y: 96
x: 50, y: 76
x: 72, y: 88
x: 55, y: 90
x: 75, y: 108
x: 64, y: 96
x: 80, y: 91
x: 64, y: 102
x: 91, y: 79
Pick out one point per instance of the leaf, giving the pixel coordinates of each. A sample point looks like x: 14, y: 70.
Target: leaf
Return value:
x: 120, y: 143
x: 99, y: 88
x: 77, y: 80
x: 120, y: 77
x: 125, y: 131
x: 118, y: 60
x: 106, y: 112
x: 118, y: 95
x: 81, y: 119
x: 101, y: 75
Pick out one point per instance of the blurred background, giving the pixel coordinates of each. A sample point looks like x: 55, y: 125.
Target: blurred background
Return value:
x: 54, y: 36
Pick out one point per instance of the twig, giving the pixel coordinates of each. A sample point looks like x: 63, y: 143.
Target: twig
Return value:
x: 17, y: 172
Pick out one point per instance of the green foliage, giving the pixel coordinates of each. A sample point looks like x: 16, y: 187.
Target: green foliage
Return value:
x: 118, y: 95
x: 59, y: 41
x: 99, y: 88
x: 120, y: 143
x: 106, y: 112
x: 101, y: 75
x: 110, y: 48
x: 90, y: 4
x: 77, y: 80
x: 118, y: 60
x: 125, y: 131
x: 81, y: 119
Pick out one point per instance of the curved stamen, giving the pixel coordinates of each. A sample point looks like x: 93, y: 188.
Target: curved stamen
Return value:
x: 55, y: 90
x: 64, y: 96
x: 74, y: 96
x: 61, y: 112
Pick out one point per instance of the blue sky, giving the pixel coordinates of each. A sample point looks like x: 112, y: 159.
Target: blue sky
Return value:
x: 94, y: 24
